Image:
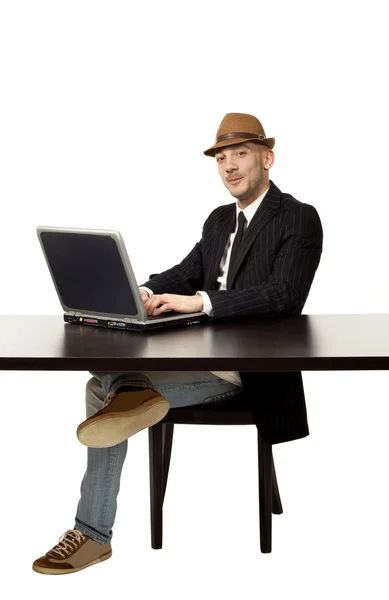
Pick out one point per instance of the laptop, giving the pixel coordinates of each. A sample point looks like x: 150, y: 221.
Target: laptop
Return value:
x: 95, y: 282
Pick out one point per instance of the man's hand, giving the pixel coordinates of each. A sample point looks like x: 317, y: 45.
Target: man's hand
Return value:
x: 160, y: 303
x: 144, y: 295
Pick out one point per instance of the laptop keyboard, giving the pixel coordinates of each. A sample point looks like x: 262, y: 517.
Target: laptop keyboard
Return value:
x: 165, y: 315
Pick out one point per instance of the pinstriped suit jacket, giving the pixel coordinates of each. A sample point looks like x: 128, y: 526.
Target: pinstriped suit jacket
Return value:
x: 272, y: 276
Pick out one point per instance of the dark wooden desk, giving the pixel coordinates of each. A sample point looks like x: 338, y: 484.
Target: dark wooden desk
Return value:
x: 302, y: 343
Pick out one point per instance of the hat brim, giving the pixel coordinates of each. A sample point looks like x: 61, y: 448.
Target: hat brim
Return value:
x: 269, y: 142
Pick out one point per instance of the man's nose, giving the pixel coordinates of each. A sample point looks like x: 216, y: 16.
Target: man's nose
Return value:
x: 230, y: 165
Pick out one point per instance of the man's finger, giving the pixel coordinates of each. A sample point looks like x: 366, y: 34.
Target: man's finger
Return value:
x: 162, y: 309
x: 156, y: 304
x: 153, y: 302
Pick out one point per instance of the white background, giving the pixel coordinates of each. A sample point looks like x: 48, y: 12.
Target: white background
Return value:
x: 105, y: 109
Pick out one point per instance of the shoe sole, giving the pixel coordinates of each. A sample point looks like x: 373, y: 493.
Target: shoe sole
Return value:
x: 47, y: 571
x: 113, y: 428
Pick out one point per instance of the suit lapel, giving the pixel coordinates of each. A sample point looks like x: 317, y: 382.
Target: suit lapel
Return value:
x: 225, y: 226
x: 266, y: 210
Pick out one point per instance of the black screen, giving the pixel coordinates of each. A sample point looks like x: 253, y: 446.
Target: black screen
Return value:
x: 89, y: 272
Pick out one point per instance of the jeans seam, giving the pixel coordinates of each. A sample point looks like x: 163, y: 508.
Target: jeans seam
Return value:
x: 113, y: 459
x: 188, y: 386
x: 223, y: 396
x: 139, y: 384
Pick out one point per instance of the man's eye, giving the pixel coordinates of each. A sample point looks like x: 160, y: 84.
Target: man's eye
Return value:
x: 242, y: 152
x: 219, y: 159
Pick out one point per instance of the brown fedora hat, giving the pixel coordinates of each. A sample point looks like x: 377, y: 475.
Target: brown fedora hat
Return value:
x: 237, y: 128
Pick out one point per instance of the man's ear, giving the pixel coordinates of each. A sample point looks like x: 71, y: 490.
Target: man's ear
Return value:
x: 269, y: 159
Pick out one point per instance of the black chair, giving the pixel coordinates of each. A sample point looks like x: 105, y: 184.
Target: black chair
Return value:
x: 160, y: 446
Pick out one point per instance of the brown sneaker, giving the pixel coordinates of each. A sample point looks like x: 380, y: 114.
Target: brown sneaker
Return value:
x: 124, y: 414
x: 74, y: 551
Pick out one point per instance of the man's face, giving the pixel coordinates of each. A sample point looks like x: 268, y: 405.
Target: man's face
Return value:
x: 243, y: 169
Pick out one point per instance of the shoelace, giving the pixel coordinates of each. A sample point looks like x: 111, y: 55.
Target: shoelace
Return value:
x: 71, y: 540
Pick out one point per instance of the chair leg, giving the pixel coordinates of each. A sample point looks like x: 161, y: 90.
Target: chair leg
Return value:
x: 265, y: 475
x: 276, y: 500
x: 156, y: 483
x: 168, y: 430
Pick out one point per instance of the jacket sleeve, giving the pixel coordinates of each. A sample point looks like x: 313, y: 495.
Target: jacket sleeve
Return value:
x: 286, y: 290
x: 185, y: 278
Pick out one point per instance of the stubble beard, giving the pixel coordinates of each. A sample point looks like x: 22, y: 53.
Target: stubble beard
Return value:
x: 248, y: 191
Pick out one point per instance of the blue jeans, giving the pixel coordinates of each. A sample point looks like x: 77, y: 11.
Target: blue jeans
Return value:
x: 100, y: 486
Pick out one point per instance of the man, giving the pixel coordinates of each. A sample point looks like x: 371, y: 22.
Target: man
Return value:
x: 257, y: 258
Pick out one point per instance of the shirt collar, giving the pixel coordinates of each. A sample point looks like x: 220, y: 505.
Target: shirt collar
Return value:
x: 251, y: 209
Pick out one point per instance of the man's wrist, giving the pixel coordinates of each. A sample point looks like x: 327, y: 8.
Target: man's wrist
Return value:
x: 207, y: 305
x: 146, y: 289
x: 202, y: 300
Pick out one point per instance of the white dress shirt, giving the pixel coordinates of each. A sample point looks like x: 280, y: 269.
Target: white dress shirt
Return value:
x: 249, y: 212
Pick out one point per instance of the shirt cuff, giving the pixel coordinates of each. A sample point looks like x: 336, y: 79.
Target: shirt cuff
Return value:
x: 146, y: 289
x: 207, y: 308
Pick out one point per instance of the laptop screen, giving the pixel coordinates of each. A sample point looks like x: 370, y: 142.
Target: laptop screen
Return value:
x: 88, y: 272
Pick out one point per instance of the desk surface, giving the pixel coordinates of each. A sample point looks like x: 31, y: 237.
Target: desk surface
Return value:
x: 302, y: 343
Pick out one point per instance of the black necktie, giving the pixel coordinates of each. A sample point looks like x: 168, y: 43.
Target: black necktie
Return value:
x: 235, y: 246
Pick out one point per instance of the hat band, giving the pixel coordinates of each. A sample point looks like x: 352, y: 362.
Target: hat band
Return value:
x: 239, y: 134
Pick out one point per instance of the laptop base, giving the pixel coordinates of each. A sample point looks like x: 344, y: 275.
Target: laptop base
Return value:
x: 136, y: 326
